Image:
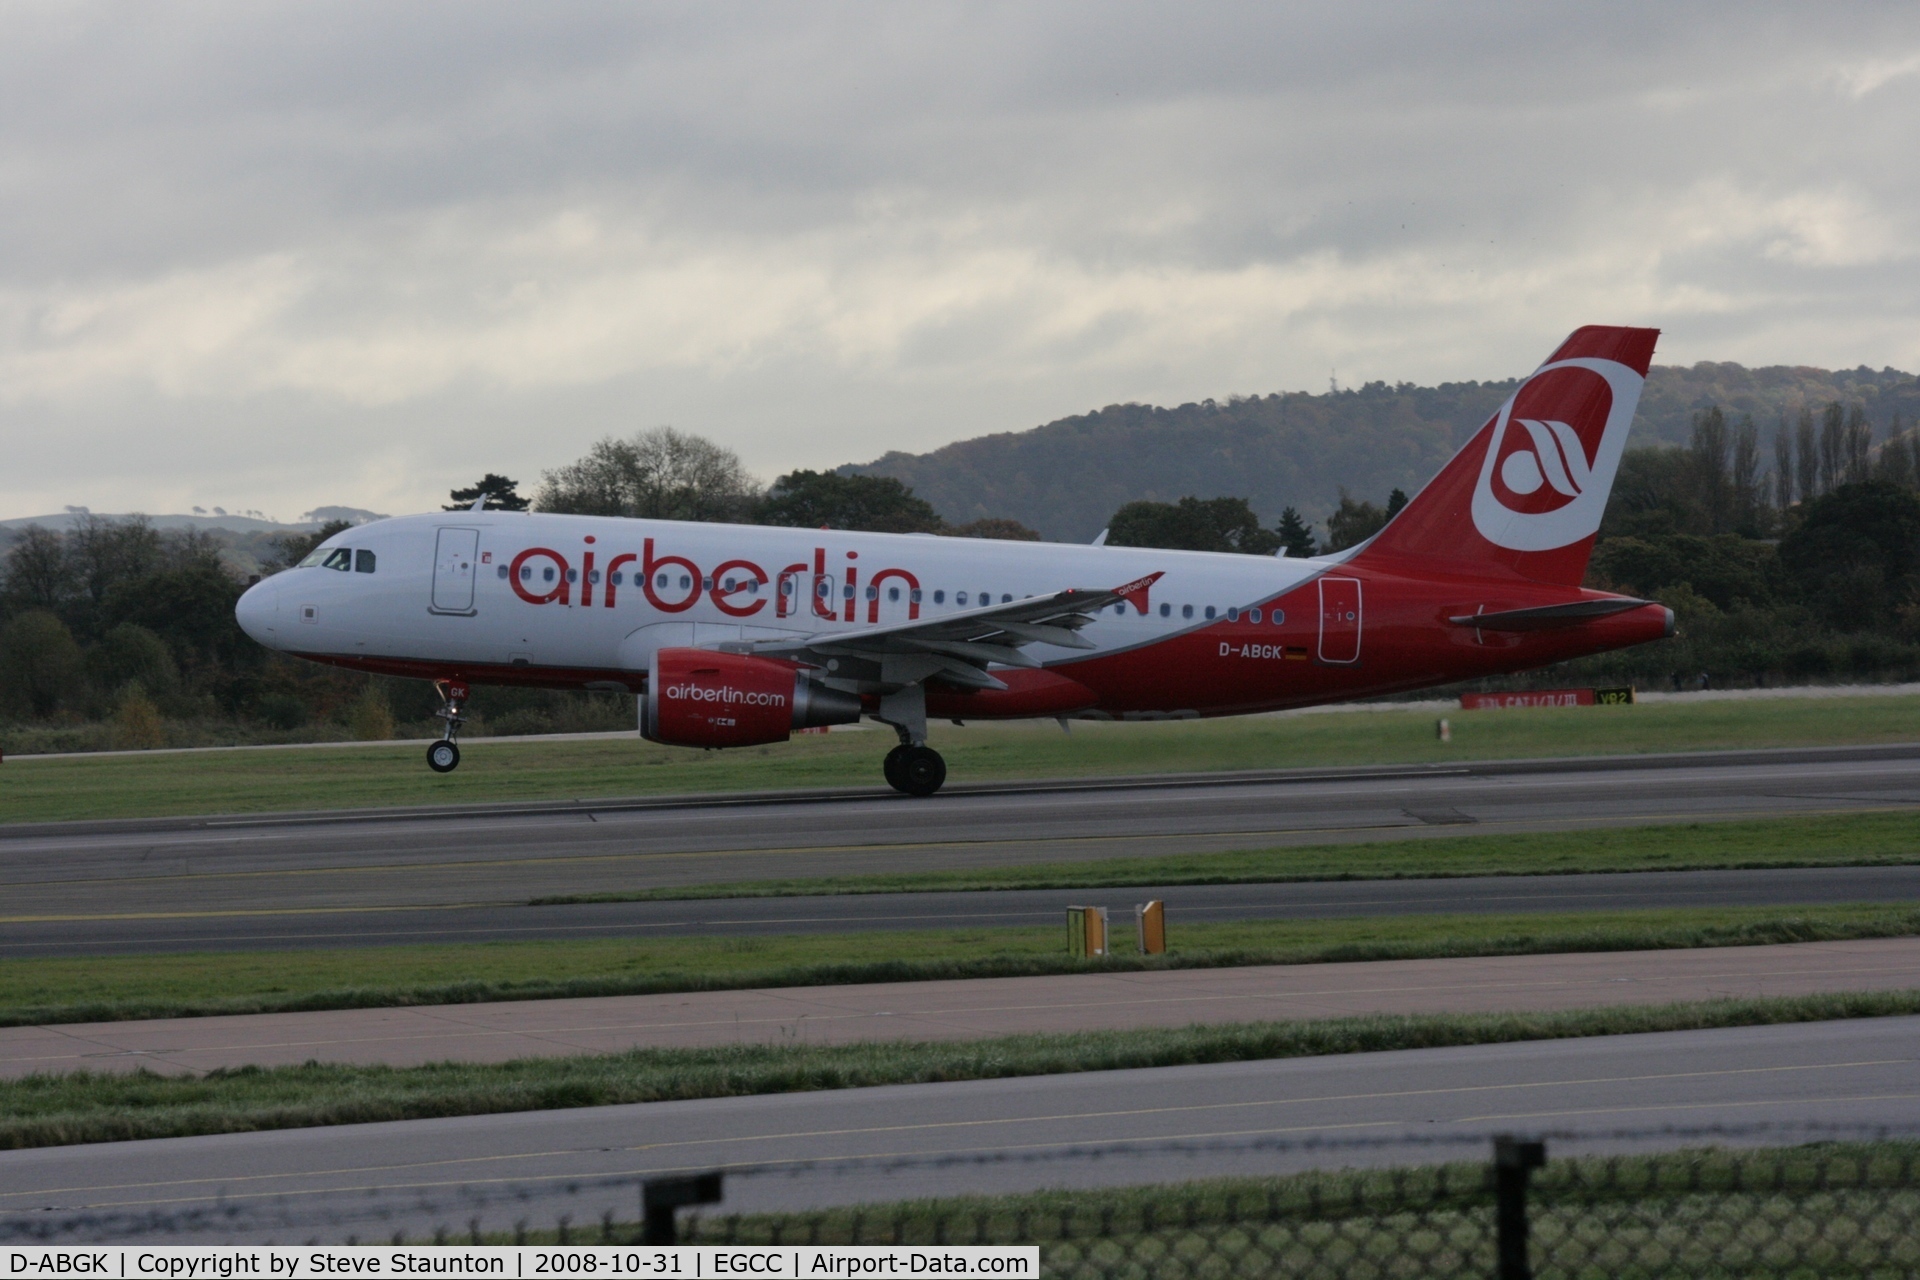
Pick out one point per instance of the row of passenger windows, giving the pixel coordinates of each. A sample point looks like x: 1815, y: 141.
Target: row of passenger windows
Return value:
x: 824, y: 589
x: 343, y: 559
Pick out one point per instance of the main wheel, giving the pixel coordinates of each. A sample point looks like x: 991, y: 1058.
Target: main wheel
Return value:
x: 443, y: 757
x: 891, y: 767
x: 922, y: 771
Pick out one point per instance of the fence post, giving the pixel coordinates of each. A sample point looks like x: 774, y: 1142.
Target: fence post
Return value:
x: 1513, y: 1160
x: 659, y: 1197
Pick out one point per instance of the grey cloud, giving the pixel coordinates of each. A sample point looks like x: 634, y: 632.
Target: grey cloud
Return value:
x: 821, y: 231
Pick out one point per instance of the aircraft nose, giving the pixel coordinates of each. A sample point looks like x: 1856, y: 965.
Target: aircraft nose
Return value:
x: 257, y: 612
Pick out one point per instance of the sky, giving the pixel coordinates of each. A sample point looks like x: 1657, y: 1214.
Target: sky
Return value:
x: 278, y: 256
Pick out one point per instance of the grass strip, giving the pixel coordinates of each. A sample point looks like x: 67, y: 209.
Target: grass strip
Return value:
x: 115, y: 988
x: 243, y: 781
x: 56, y: 1110
x: 1889, y: 838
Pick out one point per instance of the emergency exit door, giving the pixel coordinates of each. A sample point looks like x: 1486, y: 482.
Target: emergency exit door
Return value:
x: 1340, y: 619
x: 454, y: 553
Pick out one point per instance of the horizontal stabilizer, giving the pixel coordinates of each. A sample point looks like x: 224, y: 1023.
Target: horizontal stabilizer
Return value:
x: 1547, y: 617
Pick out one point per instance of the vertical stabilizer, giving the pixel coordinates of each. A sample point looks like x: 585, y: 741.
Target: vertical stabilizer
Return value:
x: 1525, y: 496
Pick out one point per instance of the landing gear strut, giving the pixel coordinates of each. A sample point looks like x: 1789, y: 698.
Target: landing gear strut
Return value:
x: 912, y: 767
x: 444, y: 756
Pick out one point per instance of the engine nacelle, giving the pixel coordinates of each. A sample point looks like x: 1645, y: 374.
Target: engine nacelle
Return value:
x: 699, y: 698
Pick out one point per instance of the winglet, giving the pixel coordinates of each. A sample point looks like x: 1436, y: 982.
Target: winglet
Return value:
x: 1135, y: 592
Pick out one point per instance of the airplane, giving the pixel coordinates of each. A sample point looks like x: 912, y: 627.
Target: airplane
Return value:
x: 739, y: 635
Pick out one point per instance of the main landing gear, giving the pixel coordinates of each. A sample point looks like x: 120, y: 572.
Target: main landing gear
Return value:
x: 444, y: 756
x: 918, y: 771
x: 912, y: 767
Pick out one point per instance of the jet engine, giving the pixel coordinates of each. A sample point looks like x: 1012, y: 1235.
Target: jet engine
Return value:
x: 700, y: 698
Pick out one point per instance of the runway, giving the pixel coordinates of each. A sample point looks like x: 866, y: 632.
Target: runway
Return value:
x: 809, y: 1150
x: 357, y: 879
x: 959, y: 1009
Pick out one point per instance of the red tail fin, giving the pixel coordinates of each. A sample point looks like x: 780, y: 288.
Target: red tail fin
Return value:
x: 1525, y: 496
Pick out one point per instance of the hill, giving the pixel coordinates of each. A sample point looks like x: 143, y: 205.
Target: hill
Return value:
x: 1297, y: 448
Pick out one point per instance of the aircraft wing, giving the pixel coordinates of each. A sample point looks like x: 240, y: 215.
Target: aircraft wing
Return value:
x: 957, y: 647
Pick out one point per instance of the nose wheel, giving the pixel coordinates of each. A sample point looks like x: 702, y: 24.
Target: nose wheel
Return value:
x: 444, y: 756
x: 916, y: 771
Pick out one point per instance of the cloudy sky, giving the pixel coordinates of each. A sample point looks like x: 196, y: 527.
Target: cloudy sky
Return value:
x: 281, y: 255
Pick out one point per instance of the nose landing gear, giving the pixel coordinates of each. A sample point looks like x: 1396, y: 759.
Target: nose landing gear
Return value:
x: 444, y: 756
x: 912, y: 767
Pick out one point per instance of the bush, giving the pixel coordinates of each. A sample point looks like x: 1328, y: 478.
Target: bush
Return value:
x: 282, y: 711
x: 371, y: 719
x: 40, y: 665
x: 136, y: 723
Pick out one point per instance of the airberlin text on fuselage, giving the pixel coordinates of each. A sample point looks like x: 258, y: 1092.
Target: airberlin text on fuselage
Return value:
x: 674, y: 584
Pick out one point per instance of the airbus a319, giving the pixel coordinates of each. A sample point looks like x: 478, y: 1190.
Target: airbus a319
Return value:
x: 737, y: 635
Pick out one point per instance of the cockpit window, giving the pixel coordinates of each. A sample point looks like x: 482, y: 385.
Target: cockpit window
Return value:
x: 363, y: 562
x: 339, y: 558
x: 312, y: 559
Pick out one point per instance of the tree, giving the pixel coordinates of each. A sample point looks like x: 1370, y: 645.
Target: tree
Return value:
x: 1192, y: 524
x: 660, y: 474
x: 131, y: 654
x: 39, y: 664
x: 1396, y: 503
x: 39, y: 574
x: 1782, y: 466
x: 1352, y: 523
x: 1807, y: 447
x: 995, y: 527
x: 1296, y: 535
x: 502, y: 495
x: 829, y: 500
x: 1855, y: 553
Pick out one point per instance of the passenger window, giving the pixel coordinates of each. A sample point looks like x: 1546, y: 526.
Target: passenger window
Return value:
x: 1005, y: 598
x: 526, y: 574
x: 1186, y: 611
x: 616, y: 577
x: 685, y: 582
x: 959, y: 597
x: 873, y: 593
x: 546, y: 575
x: 594, y: 576
x: 847, y: 591
x: 1209, y: 613
x: 1233, y: 614
x: 363, y: 562
x: 1279, y: 617
x: 1166, y: 611
x: 893, y: 593
x: 1253, y: 615
x: 786, y: 586
x: 914, y: 595
x: 706, y: 584
x: 573, y: 575
x: 339, y: 558
x: 661, y: 582
x: 503, y: 571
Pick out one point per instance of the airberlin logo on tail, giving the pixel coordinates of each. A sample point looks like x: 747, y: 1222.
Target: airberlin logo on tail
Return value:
x: 1551, y: 455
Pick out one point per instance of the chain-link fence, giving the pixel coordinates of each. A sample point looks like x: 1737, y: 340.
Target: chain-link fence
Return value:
x: 1842, y: 1205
